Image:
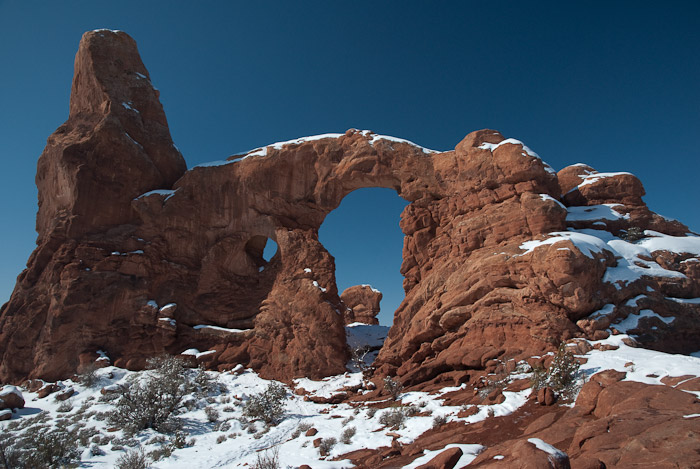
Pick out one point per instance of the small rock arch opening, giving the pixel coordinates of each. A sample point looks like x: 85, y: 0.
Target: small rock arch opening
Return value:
x: 364, y: 237
x: 262, y: 250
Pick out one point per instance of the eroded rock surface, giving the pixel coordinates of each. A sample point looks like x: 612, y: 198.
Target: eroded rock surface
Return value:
x: 137, y: 256
x: 362, y: 302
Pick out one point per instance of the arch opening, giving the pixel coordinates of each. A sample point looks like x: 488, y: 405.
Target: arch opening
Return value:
x: 364, y: 237
x: 261, y: 249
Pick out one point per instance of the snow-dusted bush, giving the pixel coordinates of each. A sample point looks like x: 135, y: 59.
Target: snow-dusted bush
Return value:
x: 88, y: 377
x: 65, y: 406
x: 212, y: 414
x: 439, y: 421
x: 205, y: 383
x: 393, y: 418
x: 562, y: 375
x: 38, y: 446
x: 151, y: 402
x: 270, y: 459
x: 393, y: 387
x: 268, y: 405
x: 326, y: 446
x: 633, y: 233
x: 133, y: 459
x: 358, y: 355
x: 301, y: 428
x: 348, y: 433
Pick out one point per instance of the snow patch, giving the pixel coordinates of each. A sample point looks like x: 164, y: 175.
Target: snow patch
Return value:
x: 632, y: 321
x: 547, y: 448
x: 9, y: 389
x: 166, y: 192
x: 587, y: 244
x: 687, y: 301
x: 215, y: 163
x: 376, y: 138
x: 206, y: 327
x: 595, y: 212
x: 469, y: 454
x: 526, y: 151
x: 595, y: 177
x: 649, y: 365
x: 547, y: 197
x: 128, y: 105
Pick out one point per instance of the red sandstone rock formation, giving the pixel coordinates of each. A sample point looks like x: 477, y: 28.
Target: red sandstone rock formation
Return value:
x: 136, y: 257
x: 614, y: 423
x: 362, y: 302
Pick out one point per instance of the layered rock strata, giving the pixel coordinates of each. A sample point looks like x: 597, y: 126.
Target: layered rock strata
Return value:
x: 137, y: 256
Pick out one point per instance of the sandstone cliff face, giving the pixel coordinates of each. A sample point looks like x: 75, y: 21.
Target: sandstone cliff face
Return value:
x: 137, y: 257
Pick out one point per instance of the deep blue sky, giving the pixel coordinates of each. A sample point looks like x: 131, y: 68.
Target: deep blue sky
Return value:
x: 612, y: 84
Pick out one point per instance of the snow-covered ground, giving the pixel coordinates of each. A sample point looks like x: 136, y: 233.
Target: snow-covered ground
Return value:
x: 228, y: 441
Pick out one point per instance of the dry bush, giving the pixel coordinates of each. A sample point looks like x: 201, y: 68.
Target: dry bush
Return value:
x: 392, y: 387
x: 326, y: 446
x: 268, y: 405
x: 150, y: 403
x: 348, y: 433
x: 270, y: 459
x: 133, y: 459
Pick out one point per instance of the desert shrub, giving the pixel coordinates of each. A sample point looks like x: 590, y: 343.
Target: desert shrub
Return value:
x: 410, y: 410
x: 65, y: 406
x: 347, y: 420
x: 358, y: 355
x: 38, y: 446
x: 392, y: 387
x: 95, y: 450
x: 268, y: 405
x: 371, y: 412
x: 393, y: 418
x: 88, y: 377
x: 86, y: 434
x: 212, y: 414
x: 270, y: 459
x: 346, y: 436
x: 326, y: 446
x: 222, y: 426
x: 163, y: 452
x: 439, y: 421
x: 206, y: 384
x: 220, y: 439
x: 633, y: 233
x: 562, y: 375
x: 133, y: 459
x: 301, y: 428
x: 179, y: 440
x: 150, y: 403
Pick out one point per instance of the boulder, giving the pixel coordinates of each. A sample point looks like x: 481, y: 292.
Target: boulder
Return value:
x: 445, y: 460
x: 11, y: 398
x: 362, y: 302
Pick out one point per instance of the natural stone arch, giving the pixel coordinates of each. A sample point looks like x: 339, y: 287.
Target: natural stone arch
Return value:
x: 473, y: 295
